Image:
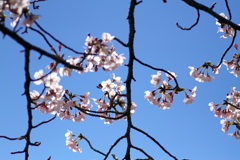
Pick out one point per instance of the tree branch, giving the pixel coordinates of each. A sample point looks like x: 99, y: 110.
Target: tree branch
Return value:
x: 211, y: 12
x: 26, y: 44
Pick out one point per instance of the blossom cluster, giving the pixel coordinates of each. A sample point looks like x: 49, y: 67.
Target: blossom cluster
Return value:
x: 18, y: 9
x: 56, y: 100
x: 97, y: 54
x: 201, y: 73
x: 230, y: 111
x: 73, y: 143
x: 163, y: 95
x: 226, y: 29
x: 234, y: 63
x: 112, y: 89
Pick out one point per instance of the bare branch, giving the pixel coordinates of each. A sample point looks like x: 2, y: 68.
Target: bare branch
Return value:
x: 155, y: 141
x: 90, y: 145
x: 26, y: 44
x: 43, y: 122
x: 113, y: 145
x: 229, y: 11
x: 17, y: 138
x: 158, y: 69
x: 121, y: 42
x: 64, y: 45
x: 225, y: 52
x: 198, y: 17
x: 211, y: 12
x: 141, y: 150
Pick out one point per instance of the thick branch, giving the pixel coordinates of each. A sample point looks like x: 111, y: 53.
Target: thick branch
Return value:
x: 211, y: 12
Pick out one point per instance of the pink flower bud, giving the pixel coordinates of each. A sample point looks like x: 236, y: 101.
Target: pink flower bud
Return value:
x: 236, y: 46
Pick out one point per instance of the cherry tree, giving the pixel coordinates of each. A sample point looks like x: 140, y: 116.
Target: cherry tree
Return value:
x: 112, y: 99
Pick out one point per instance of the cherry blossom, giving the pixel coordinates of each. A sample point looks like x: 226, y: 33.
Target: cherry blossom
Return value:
x: 106, y: 37
x: 28, y: 21
x: 107, y: 86
x: 39, y: 76
x: 230, y: 111
x: 156, y: 79
x: 236, y: 135
x: 201, y: 76
x: 35, y: 96
x: 52, y: 80
x: 225, y: 125
x: 163, y: 95
x: 228, y: 30
x: 71, y: 143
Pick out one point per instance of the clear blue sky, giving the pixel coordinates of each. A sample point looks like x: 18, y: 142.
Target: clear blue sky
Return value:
x: 187, y: 131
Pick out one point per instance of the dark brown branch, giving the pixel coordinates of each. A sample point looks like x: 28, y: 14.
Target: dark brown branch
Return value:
x: 229, y: 11
x: 155, y: 141
x: 213, y: 5
x: 131, y: 36
x: 225, y: 52
x: 57, y: 39
x: 113, y: 145
x: 121, y: 42
x: 43, y: 122
x: 17, y: 152
x: 28, y: 98
x: 44, y: 37
x: 141, y: 150
x: 227, y: 103
x: 26, y: 44
x: 90, y: 145
x: 18, y: 138
x: 211, y: 12
x: 158, y: 69
x: 99, y: 112
x: 198, y: 17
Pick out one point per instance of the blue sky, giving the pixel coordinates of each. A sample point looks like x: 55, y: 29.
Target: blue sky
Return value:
x: 187, y: 131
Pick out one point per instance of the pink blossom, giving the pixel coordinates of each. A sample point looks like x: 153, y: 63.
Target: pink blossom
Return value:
x: 188, y: 99
x: 236, y: 134
x: 29, y: 20
x: 225, y: 125
x: 106, y: 37
x: 235, y: 72
x: 71, y: 143
x: 107, y: 86
x: 212, y: 106
x: 79, y: 116
x: 193, y: 72
x: 156, y: 79
x: 52, y: 80
x: 39, y: 75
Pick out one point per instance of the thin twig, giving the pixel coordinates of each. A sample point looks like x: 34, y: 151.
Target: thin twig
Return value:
x: 26, y: 44
x: 64, y: 45
x: 155, y: 141
x: 43, y: 122
x: 121, y: 42
x: 141, y: 150
x: 225, y: 52
x: 197, y: 20
x: 90, y: 145
x: 229, y: 11
x: 113, y: 145
x: 158, y: 69
x: 44, y: 37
